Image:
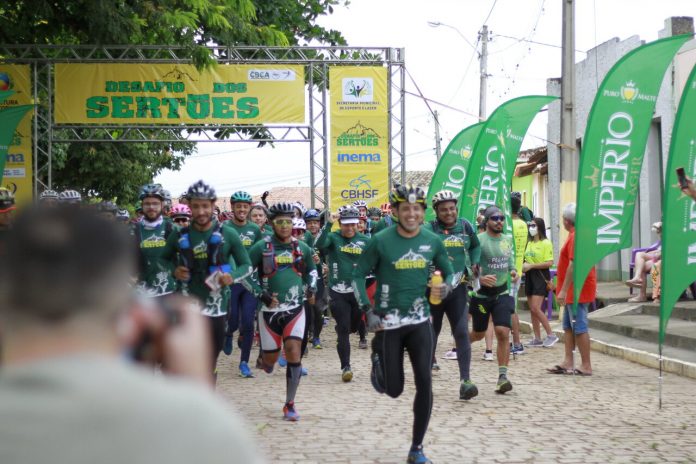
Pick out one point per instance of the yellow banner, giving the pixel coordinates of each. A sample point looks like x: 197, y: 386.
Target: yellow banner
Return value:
x: 19, y: 166
x: 359, y: 135
x: 177, y: 93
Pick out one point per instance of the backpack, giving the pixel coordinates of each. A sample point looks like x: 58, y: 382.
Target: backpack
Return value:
x: 214, y: 251
x: 269, y: 266
x: 466, y: 226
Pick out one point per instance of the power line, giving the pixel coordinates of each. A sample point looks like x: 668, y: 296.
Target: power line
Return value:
x: 518, y: 39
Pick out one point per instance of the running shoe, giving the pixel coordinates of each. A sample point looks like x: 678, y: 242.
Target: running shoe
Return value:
x: 516, y: 349
x: 362, y: 344
x: 534, y: 343
x: 282, y: 362
x: 451, y: 354
x: 245, y: 370
x: 467, y: 390
x: 316, y: 343
x: 347, y: 374
x: 503, y: 385
x: 227, y: 345
x: 417, y: 457
x: 549, y: 341
x: 436, y: 366
x: 305, y: 371
x: 488, y: 356
x: 289, y: 413
x: 326, y: 321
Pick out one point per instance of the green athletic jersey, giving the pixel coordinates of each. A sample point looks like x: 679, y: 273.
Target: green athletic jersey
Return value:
x: 402, y: 268
x: 462, y: 245
x: 249, y: 233
x: 285, y: 281
x: 343, y: 254
x: 519, y: 232
x: 497, y: 257
x: 383, y: 224
x: 214, y: 303
x: 155, y: 274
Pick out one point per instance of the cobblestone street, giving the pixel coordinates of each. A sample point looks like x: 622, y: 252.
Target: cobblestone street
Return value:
x: 612, y: 416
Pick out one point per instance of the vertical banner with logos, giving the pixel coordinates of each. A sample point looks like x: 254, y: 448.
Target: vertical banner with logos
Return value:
x: 451, y: 170
x: 612, y: 152
x: 18, y: 168
x: 679, y: 210
x: 495, y: 155
x: 359, y: 135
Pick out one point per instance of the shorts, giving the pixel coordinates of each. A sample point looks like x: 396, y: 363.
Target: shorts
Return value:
x: 501, y: 307
x: 535, y: 284
x: 276, y: 327
x: 580, y: 320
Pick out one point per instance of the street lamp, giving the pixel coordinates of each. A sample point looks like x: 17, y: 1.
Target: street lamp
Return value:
x: 482, y: 56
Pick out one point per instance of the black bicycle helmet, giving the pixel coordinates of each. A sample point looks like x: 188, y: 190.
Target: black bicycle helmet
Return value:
x: 282, y: 209
x: 349, y: 212
x: 7, y: 200
x: 152, y: 190
x: 407, y: 193
x: 201, y: 191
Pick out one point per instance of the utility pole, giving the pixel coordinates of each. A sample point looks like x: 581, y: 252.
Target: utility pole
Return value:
x: 484, y: 73
x: 438, y: 148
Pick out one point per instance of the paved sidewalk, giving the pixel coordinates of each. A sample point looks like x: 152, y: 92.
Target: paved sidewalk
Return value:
x: 612, y: 416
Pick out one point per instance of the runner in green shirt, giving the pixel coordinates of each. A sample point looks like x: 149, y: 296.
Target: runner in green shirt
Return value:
x: 492, y: 298
x: 285, y: 266
x: 401, y: 257
x: 462, y: 245
x: 211, y: 258
x: 243, y: 305
x: 343, y: 249
x: 316, y: 311
x: 155, y: 269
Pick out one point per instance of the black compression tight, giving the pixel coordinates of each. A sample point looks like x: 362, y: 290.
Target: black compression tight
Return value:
x: 417, y: 339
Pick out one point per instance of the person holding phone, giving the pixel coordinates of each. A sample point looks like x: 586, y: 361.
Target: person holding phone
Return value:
x: 70, y: 330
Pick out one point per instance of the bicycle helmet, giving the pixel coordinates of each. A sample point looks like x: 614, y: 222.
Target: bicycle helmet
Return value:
x: 312, y: 215
x: 167, y: 197
x: 180, y: 210
x: 7, y: 200
x: 282, y: 209
x: 139, y: 207
x: 407, y: 193
x: 151, y: 190
x: 374, y: 212
x: 122, y: 215
x: 70, y: 196
x: 201, y: 191
x: 48, y: 195
x: 348, y: 215
x: 442, y: 196
x: 517, y: 195
x: 240, y: 197
x: 300, y: 206
x: 298, y: 224
x: 360, y: 204
x: 107, y: 207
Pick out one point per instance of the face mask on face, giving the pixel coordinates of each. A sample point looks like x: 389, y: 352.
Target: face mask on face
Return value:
x: 533, y: 231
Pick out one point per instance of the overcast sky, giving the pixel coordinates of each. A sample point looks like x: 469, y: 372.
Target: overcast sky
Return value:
x: 446, y: 68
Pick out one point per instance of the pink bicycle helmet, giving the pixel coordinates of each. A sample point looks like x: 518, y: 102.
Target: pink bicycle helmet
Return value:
x: 180, y: 210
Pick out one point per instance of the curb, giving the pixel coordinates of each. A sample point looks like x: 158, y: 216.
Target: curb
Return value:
x: 644, y: 358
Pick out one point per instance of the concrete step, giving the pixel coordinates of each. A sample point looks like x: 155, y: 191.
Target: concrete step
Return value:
x: 679, y: 333
x: 683, y: 310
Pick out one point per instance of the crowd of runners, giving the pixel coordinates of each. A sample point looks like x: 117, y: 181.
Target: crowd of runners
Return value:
x: 273, y: 275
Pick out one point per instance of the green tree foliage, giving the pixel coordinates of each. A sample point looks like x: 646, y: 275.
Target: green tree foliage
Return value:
x: 115, y: 170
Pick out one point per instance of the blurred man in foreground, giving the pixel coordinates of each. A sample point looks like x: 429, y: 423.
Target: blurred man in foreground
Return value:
x: 69, y: 392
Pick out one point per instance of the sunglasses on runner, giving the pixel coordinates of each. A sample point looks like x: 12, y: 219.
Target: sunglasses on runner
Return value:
x: 497, y: 218
x: 282, y: 222
x: 181, y: 220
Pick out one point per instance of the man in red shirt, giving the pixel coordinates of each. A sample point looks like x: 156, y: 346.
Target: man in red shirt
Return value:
x: 564, y: 297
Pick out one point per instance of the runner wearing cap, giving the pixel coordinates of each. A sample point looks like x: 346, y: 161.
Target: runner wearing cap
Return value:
x: 343, y: 249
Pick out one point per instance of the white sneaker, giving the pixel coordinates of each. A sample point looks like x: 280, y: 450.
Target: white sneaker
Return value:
x: 487, y: 356
x: 450, y: 355
x: 550, y: 340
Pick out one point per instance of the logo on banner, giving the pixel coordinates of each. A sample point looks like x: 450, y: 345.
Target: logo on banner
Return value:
x: 361, y: 188
x: 629, y: 92
x: 5, y: 82
x: 358, y: 89
x: 271, y: 75
x: 466, y: 152
x: 358, y: 136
